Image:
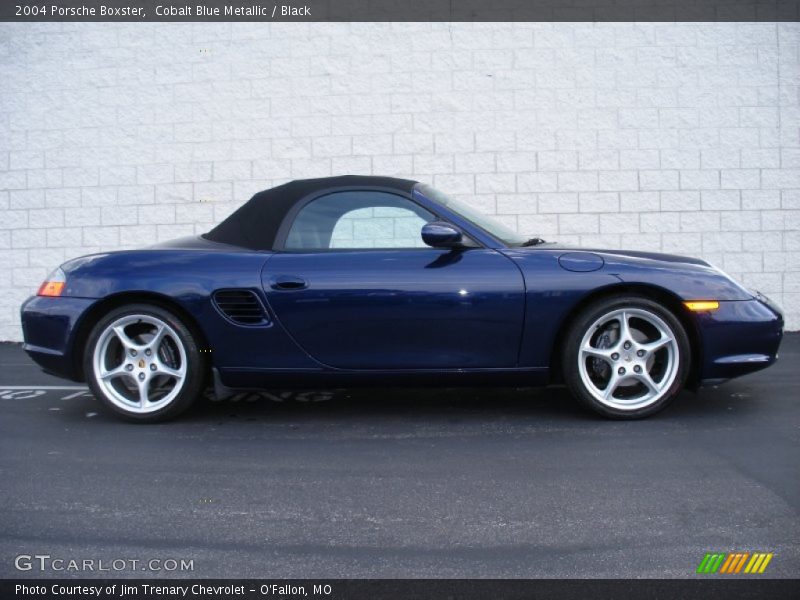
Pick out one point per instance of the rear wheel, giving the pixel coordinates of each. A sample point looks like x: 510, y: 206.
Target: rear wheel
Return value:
x: 143, y: 363
x: 626, y: 357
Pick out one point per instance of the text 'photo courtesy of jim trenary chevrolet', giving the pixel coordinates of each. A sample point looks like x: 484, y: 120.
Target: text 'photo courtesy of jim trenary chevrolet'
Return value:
x: 388, y: 300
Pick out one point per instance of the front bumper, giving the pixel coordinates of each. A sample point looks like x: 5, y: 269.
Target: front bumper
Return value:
x: 739, y: 338
x: 49, y: 328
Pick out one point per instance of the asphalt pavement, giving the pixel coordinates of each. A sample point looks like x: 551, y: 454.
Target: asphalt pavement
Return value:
x: 480, y: 483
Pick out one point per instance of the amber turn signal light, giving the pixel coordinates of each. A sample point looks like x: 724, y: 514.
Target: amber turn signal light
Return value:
x: 702, y: 305
x: 53, y: 285
x: 51, y: 288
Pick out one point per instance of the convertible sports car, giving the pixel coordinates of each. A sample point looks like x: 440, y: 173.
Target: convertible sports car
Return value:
x: 380, y: 281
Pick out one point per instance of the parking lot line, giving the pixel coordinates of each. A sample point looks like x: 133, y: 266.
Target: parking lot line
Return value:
x: 43, y: 387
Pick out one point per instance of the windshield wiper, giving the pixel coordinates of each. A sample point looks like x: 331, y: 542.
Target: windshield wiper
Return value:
x: 533, y: 242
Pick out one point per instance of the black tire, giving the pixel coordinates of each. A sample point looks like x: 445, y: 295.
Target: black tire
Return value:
x: 571, y: 366
x: 192, y: 383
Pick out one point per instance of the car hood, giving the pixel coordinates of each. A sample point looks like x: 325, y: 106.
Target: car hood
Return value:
x: 619, y: 254
x: 637, y: 255
x: 688, y: 277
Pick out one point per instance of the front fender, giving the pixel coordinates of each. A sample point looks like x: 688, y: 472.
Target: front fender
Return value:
x: 687, y: 280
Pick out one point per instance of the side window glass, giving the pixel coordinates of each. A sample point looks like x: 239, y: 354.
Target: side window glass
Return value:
x: 360, y: 219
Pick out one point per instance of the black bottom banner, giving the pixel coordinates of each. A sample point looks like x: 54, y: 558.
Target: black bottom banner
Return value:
x: 396, y: 589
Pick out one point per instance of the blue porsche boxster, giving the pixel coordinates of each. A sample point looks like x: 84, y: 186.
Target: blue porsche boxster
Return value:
x: 380, y: 281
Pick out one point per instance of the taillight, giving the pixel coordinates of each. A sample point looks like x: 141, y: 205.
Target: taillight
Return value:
x: 54, y: 284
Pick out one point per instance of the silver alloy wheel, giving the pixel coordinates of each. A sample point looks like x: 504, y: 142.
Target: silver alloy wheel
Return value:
x: 628, y: 359
x: 140, y: 363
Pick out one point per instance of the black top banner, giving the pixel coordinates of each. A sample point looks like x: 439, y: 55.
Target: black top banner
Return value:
x: 400, y: 10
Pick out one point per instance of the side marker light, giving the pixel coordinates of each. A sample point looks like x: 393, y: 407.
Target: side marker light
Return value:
x: 702, y: 305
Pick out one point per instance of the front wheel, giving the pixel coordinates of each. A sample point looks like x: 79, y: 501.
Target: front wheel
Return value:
x: 626, y: 357
x: 143, y: 363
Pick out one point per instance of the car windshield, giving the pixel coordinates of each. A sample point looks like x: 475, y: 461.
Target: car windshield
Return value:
x: 494, y: 228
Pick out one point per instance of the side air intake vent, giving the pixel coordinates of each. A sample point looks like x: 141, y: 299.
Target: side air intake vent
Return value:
x: 241, y: 306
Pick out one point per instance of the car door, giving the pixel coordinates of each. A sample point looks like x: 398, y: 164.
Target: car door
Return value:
x: 356, y: 288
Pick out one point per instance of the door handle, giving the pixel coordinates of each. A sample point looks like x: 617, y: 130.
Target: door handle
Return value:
x: 288, y: 282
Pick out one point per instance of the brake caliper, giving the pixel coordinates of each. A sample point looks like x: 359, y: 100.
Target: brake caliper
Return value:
x: 600, y: 367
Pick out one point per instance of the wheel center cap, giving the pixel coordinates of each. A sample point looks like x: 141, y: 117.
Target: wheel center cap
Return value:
x: 141, y: 363
x: 628, y: 358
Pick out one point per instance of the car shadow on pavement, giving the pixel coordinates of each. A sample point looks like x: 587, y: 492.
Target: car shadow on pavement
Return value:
x: 448, y: 404
x: 546, y: 407
x: 394, y: 402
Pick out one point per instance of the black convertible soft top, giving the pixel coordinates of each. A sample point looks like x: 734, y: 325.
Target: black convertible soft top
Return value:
x: 256, y: 223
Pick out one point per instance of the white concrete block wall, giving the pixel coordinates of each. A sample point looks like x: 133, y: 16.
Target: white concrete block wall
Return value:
x: 672, y: 137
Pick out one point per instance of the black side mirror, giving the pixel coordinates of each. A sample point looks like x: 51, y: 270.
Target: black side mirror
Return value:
x: 439, y: 234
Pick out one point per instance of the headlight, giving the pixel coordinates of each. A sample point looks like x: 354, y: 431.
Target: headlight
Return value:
x: 720, y: 271
x: 736, y: 282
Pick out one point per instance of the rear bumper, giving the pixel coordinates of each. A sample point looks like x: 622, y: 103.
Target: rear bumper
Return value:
x: 49, y: 327
x: 739, y: 338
